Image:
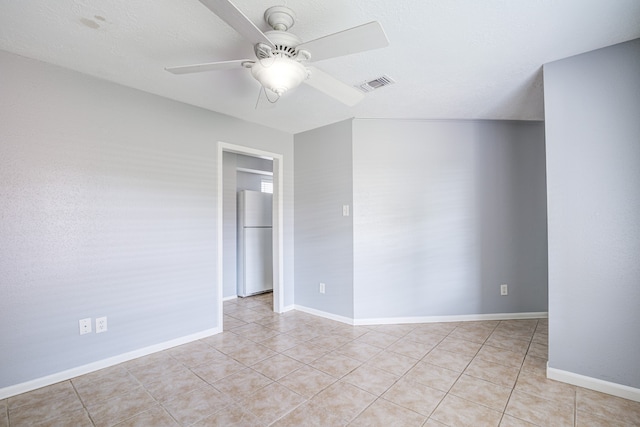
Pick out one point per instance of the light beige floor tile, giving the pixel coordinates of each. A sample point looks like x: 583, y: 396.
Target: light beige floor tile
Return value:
x: 456, y: 345
x: 231, y: 416
x: 59, y: 390
x: 608, y: 406
x: 46, y: 409
x: 433, y: 423
x: 191, y: 407
x: 426, y: 337
x: 539, y: 411
x: 454, y: 411
x: 230, y: 342
x: 358, y: 350
x: 109, y: 412
x: 347, y: 331
x: 78, y: 418
x: 370, y: 379
x: 398, y: 330
x: 170, y: 385
x: 587, y: 419
x: 385, y: 413
x: 548, y: 389
x: 517, y: 328
x: 411, y: 348
x: 454, y: 361
x: 417, y: 397
x: 307, y: 381
x: 436, y: 328
x: 252, y: 355
x: 343, y: 399
x: 191, y: 357
x: 4, y: 413
x: 106, y: 388
x: 508, y: 343
x: 330, y: 341
x: 303, y: 333
x: 229, y: 322
x: 310, y: 414
x: 153, y: 371
x: 277, y: 366
x: 541, y: 337
x: 539, y: 350
x: 509, y: 421
x: 474, y: 335
x: 242, y: 383
x: 394, y: 363
x: 536, y: 365
x: 280, y: 342
x: 498, y: 374
x: 255, y: 332
x: 378, y: 339
x: 156, y: 417
x: 216, y: 371
x: 501, y: 356
x: 280, y: 324
x: 272, y: 402
x: 247, y: 315
x: 335, y: 364
x: 110, y: 372
x: 432, y: 376
x: 305, y: 353
x: 482, y: 392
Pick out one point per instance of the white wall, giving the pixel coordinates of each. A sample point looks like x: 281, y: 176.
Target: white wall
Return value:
x: 108, y: 209
x: 445, y: 212
x: 592, y: 105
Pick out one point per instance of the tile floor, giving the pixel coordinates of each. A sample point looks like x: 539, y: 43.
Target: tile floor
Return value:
x: 296, y: 369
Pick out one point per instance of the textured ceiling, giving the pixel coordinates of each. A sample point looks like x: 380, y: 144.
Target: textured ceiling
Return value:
x: 463, y: 59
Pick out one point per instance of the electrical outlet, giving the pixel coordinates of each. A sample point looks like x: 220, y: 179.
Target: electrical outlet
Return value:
x: 321, y: 288
x: 101, y: 324
x: 85, y: 326
x: 504, y: 290
x: 345, y: 210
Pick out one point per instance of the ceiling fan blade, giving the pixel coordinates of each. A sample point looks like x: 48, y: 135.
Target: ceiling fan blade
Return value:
x: 207, y: 66
x: 237, y: 20
x: 357, y: 39
x: 333, y: 87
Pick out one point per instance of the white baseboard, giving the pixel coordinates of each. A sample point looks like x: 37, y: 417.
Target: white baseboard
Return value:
x: 230, y: 298
x: 595, y: 384
x: 422, y: 319
x: 288, y: 308
x: 454, y: 318
x: 24, y: 387
x: 324, y: 314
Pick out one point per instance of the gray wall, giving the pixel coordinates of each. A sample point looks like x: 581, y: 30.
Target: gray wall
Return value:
x: 323, y: 237
x: 592, y: 105
x: 108, y: 209
x: 445, y: 212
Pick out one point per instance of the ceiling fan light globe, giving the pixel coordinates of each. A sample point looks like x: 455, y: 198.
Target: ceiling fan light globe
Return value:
x: 279, y: 74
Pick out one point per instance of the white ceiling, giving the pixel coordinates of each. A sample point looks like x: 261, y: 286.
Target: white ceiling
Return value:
x: 452, y: 59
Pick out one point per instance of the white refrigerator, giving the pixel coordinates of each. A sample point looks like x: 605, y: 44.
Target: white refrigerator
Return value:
x: 255, y: 259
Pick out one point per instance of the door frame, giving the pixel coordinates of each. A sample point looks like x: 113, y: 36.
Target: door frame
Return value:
x: 278, y: 222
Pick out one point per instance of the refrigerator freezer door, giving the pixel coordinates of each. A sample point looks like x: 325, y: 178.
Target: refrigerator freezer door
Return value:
x: 258, y: 264
x: 257, y: 208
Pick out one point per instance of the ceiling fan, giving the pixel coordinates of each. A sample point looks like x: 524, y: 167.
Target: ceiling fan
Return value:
x: 281, y: 55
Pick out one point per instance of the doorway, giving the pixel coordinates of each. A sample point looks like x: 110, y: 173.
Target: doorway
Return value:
x: 278, y: 264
